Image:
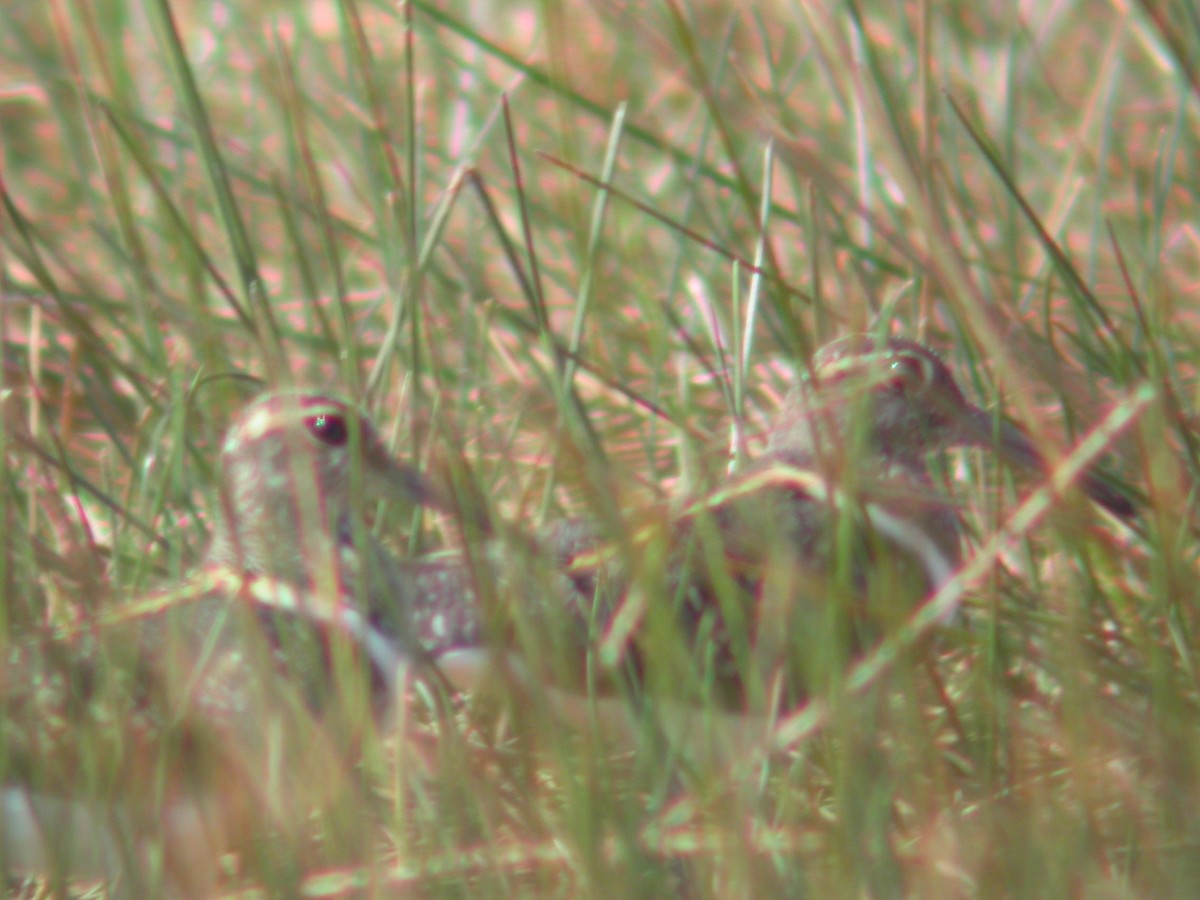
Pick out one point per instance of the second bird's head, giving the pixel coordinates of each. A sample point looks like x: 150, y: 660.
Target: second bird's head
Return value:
x: 893, y: 401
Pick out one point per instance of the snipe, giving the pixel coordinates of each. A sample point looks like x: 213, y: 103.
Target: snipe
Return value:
x: 193, y: 714
x: 844, y: 504
x: 753, y: 595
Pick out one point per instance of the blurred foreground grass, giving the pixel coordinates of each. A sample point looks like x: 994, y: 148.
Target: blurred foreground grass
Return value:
x: 402, y: 201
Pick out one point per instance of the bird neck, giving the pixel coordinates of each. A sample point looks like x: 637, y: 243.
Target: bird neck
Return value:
x: 291, y: 535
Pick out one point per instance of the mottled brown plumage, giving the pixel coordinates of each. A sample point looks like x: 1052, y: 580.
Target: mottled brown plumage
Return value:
x: 756, y: 593
x: 176, y: 719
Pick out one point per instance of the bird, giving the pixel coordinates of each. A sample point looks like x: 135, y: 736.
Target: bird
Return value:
x: 846, y: 491
x: 756, y: 594
x: 914, y: 407
x: 166, y: 722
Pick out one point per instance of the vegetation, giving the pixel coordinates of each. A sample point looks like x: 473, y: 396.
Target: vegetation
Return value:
x: 580, y: 251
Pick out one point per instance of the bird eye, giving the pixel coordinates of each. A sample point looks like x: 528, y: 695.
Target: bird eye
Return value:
x: 910, y: 373
x: 328, y: 428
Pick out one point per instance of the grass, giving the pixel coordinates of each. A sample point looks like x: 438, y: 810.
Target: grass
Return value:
x: 568, y: 245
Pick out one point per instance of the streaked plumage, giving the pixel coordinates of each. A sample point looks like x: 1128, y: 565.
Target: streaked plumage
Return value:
x: 751, y: 596
x: 194, y: 713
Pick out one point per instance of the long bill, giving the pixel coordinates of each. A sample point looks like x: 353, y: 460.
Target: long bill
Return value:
x: 1013, y: 444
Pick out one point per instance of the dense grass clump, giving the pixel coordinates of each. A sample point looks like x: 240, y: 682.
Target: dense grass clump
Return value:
x: 577, y: 254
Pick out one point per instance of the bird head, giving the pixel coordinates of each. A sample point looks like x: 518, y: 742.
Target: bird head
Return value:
x: 894, y: 401
x: 295, y: 467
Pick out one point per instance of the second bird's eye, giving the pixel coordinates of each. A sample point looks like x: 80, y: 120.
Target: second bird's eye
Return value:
x: 909, y: 373
x: 328, y: 429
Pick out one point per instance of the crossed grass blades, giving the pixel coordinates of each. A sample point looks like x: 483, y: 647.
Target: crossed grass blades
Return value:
x: 327, y: 196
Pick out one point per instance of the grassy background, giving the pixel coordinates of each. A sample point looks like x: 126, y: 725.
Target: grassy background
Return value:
x: 402, y: 201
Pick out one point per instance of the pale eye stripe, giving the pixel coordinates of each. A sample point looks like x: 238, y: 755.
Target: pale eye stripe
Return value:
x: 324, y: 406
x: 878, y: 367
x: 262, y: 421
x: 252, y: 428
x: 851, y: 363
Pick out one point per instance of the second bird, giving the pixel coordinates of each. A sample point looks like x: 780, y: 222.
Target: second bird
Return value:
x: 760, y: 592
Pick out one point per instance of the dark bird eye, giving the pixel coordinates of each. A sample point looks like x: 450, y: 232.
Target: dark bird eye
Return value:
x: 328, y: 428
x: 910, y: 373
